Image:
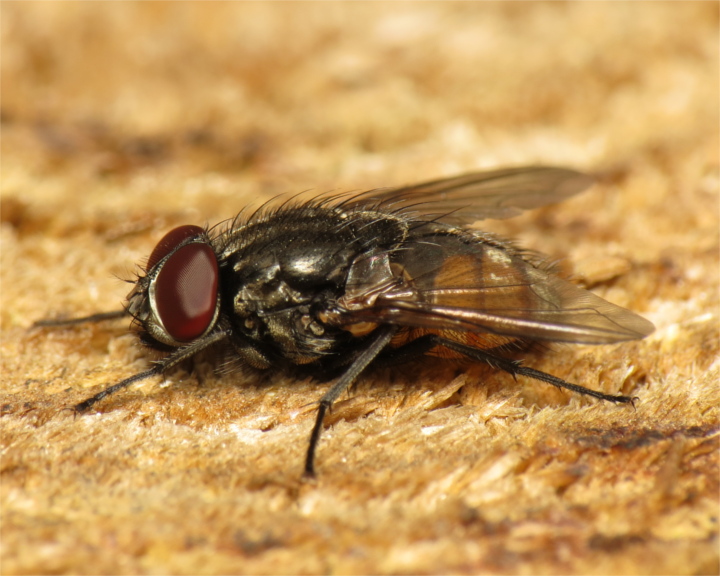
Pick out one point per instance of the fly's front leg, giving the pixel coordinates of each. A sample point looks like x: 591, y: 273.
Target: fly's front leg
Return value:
x: 160, y: 367
x: 92, y: 319
x: 85, y: 405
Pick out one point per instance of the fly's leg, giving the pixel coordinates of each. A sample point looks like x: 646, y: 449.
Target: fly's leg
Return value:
x: 87, y: 404
x: 92, y: 319
x: 160, y: 367
x: 381, y: 340
x: 99, y: 317
x: 515, y: 368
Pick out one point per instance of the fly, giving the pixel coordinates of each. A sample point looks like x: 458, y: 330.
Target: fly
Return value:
x: 340, y: 282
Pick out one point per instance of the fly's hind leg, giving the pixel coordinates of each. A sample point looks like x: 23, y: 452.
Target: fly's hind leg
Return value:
x: 515, y: 368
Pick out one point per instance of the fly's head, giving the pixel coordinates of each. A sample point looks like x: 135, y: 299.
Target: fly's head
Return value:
x: 177, y: 301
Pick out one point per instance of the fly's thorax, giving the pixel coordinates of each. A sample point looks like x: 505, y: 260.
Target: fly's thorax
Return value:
x: 283, y: 259
x: 281, y: 276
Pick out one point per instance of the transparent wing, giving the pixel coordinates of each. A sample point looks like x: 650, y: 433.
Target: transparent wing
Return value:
x: 449, y: 285
x: 479, y: 195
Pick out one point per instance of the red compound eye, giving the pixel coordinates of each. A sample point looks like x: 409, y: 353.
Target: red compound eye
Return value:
x: 169, y: 242
x: 186, y: 290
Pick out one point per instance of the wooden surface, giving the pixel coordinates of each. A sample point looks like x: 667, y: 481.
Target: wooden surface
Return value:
x: 122, y: 120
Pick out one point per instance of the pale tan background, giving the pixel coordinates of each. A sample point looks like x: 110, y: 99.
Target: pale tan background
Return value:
x: 122, y: 120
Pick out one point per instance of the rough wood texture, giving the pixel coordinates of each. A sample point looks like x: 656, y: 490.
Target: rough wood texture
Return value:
x: 122, y: 120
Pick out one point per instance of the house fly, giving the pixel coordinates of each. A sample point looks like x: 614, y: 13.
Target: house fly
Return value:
x: 341, y: 282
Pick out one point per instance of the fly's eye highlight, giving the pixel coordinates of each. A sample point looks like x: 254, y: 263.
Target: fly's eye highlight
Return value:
x: 185, y: 290
x: 172, y: 240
